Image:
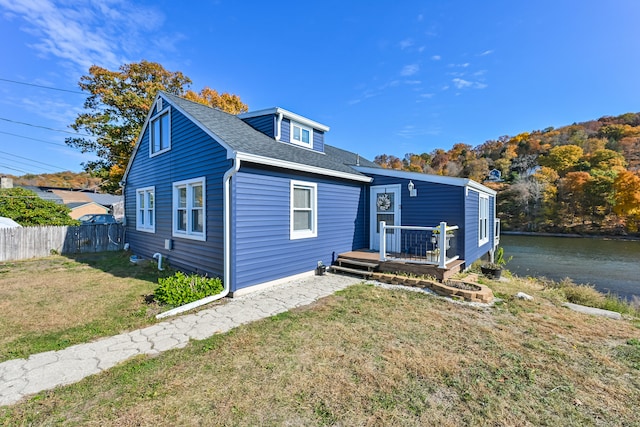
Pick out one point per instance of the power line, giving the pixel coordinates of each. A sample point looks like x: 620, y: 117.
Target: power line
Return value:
x: 29, y: 164
x: 44, y: 127
x: 41, y: 86
x: 9, y: 167
x: 35, y: 139
x: 33, y: 161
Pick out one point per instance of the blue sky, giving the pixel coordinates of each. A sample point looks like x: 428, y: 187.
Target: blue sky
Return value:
x: 388, y: 77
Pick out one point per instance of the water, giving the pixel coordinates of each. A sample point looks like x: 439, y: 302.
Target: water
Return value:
x: 609, y: 265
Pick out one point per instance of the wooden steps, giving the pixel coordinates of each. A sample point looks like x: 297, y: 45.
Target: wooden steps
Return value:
x: 351, y: 266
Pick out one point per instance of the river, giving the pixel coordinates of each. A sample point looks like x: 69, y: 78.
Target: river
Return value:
x: 609, y: 265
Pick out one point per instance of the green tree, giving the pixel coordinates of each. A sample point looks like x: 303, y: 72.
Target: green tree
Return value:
x: 117, y: 107
x: 27, y: 209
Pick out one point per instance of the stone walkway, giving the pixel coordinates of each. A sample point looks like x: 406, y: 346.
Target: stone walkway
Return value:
x: 43, y: 371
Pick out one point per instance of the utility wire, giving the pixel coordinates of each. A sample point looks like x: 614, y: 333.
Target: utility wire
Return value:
x: 49, y: 168
x: 44, y: 127
x: 33, y: 161
x: 9, y: 167
x: 43, y: 87
x: 34, y: 139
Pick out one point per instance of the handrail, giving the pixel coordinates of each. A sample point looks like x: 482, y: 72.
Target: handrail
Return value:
x: 439, y: 242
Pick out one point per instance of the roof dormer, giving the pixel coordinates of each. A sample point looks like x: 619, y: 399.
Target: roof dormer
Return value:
x: 287, y: 127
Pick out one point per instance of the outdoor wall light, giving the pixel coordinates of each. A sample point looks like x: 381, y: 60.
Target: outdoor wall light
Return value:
x: 412, y: 189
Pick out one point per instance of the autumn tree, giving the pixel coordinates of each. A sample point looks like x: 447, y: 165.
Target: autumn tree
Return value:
x: 117, y: 106
x: 562, y: 158
x: 627, y: 198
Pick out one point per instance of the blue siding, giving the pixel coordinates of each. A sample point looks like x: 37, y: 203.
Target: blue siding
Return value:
x: 193, y: 154
x: 472, y: 209
x: 262, y: 250
x: 433, y: 204
x: 265, y: 124
x: 318, y: 140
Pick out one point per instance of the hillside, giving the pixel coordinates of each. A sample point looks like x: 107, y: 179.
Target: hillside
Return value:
x: 580, y: 178
x: 65, y: 179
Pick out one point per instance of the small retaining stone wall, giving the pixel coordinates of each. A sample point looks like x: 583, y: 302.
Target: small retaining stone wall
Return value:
x: 469, y: 291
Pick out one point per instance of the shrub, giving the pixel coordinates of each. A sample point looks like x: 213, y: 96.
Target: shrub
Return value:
x: 181, y: 289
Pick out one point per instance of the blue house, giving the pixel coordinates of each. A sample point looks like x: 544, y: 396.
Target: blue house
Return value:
x: 261, y: 198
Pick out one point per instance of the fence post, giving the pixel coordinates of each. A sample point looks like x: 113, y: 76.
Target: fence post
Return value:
x: 383, y: 241
x: 442, y: 244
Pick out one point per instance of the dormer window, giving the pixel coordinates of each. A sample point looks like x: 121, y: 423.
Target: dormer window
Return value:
x: 301, y: 135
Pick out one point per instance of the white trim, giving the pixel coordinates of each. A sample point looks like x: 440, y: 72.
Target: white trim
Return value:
x: 272, y: 283
x: 141, y: 226
x: 374, y: 236
x: 253, y: 158
x: 152, y: 120
x: 188, y: 234
x: 294, y: 124
x: 438, y: 179
x: 483, y: 210
x: 286, y: 113
x: 303, y: 234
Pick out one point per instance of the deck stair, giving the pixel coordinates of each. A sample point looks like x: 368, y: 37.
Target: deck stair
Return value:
x: 355, y: 267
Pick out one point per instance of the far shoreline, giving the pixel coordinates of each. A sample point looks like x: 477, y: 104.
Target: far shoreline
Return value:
x: 570, y: 235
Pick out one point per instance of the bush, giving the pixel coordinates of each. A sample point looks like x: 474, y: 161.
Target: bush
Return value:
x: 589, y: 296
x: 181, y: 289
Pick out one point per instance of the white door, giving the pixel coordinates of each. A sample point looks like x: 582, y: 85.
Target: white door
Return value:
x: 385, y: 206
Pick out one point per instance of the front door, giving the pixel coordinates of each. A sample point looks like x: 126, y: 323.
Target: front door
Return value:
x: 385, y: 206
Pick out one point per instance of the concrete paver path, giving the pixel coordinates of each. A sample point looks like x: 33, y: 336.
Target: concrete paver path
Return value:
x: 43, y: 371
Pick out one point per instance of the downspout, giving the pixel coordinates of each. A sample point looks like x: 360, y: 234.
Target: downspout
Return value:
x: 227, y: 249
x: 278, y: 126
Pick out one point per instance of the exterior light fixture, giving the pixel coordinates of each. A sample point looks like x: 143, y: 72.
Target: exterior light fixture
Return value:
x: 412, y: 189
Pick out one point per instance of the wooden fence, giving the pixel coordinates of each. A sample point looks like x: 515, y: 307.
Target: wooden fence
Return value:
x: 32, y: 242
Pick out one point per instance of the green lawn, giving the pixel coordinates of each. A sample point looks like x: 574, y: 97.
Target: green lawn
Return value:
x: 54, y: 302
x: 370, y: 356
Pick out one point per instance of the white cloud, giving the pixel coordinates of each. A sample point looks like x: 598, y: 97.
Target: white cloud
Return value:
x: 85, y: 32
x: 406, y: 43
x: 465, y: 84
x: 436, y: 57
x: 486, y: 52
x: 411, y: 131
x: 409, y: 70
x: 461, y: 84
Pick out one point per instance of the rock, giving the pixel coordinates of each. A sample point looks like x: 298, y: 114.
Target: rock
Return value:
x: 522, y: 295
x: 593, y: 311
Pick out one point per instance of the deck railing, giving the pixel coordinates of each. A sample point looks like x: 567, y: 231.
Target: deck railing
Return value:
x: 420, y: 245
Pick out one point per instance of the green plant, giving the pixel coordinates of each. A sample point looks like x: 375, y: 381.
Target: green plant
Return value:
x: 498, y: 260
x: 181, y: 289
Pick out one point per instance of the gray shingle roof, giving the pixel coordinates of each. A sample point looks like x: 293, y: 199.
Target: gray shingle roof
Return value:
x: 243, y: 138
x: 105, y: 199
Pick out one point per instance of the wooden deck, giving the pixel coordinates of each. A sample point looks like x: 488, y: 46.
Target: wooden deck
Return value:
x: 369, y: 256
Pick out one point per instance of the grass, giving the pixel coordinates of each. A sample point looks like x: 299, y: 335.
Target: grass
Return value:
x: 370, y: 356
x: 55, y: 302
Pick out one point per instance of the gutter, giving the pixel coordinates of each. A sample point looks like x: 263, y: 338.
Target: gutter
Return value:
x: 227, y: 248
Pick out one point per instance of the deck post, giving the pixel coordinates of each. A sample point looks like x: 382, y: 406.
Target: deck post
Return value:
x: 383, y: 241
x: 442, y: 244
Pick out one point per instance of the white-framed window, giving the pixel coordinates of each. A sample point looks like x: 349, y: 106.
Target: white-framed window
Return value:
x: 160, y: 133
x: 483, y: 219
x: 189, y: 209
x: 301, y: 135
x: 146, y: 209
x: 304, y: 210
